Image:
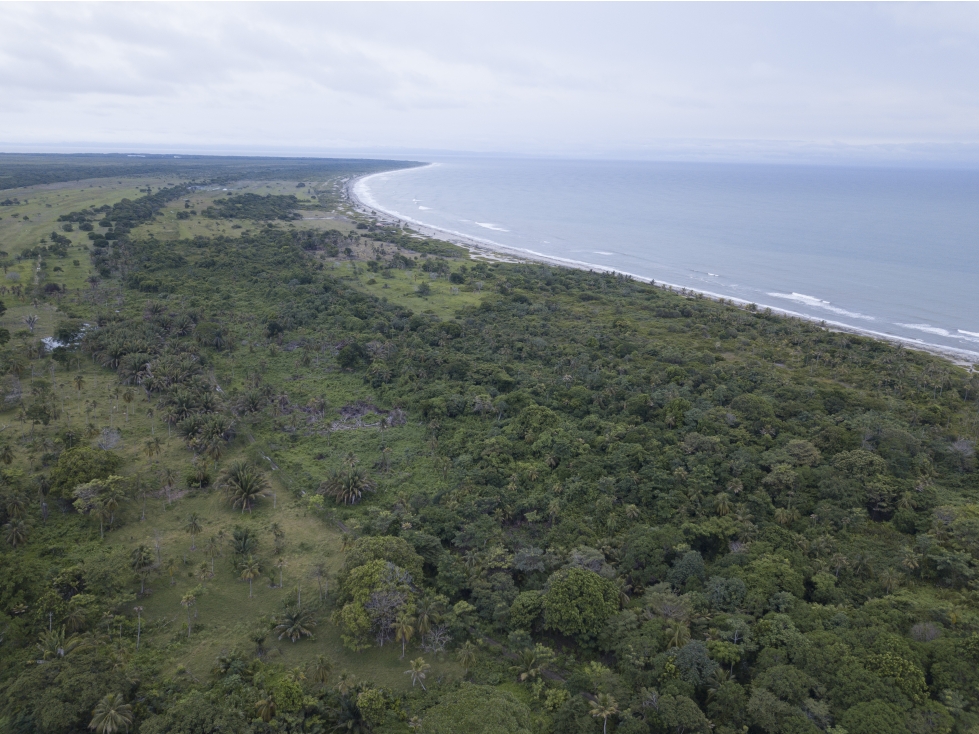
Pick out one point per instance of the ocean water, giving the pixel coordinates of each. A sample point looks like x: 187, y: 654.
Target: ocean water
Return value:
x: 887, y: 251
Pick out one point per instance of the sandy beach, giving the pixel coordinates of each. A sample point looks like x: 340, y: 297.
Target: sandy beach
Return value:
x: 360, y: 199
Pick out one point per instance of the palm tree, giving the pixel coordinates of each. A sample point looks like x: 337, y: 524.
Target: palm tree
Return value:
x: 244, y: 485
x: 139, y: 623
x: 265, y: 709
x: 350, y: 718
x: 79, y: 382
x: 76, y: 620
x: 322, y: 584
x: 6, y: 455
x: 152, y: 447
x: 677, y: 633
x: 127, y: 398
x: 419, y: 669
x: 347, y: 487
x: 212, y: 548
x: 141, y: 561
x: 56, y: 644
x: 891, y: 580
x: 345, y: 683
x: 170, y: 566
x: 188, y: 601
x: 466, y: 655
x: 31, y: 321
x: 911, y: 559
x: 295, y: 624
x: 602, y: 708
x: 427, y: 613
x: 104, y: 513
x: 168, y: 476
x: 111, y: 497
x: 203, y: 573
x: 251, y: 569
x: 280, y: 564
x: 404, y: 630
x: 193, y: 526
x: 214, y: 449
x: 16, y: 532
x: 529, y: 664
x: 111, y: 715
x: 320, y: 670
x: 623, y: 587
x: 243, y: 542
x: 786, y: 515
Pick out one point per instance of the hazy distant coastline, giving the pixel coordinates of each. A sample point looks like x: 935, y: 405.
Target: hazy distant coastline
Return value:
x: 360, y: 195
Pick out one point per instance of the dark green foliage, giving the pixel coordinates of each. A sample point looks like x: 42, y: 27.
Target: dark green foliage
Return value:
x: 254, y: 206
x: 59, y: 695
x: 68, y: 330
x: 688, y: 568
x: 195, y: 713
x: 32, y: 169
x: 874, y: 717
x: 80, y: 465
x: 479, y: 710
x: 385, y: 548
x: 694, y: 663
x: 526, y: 610
x: 578, y: 603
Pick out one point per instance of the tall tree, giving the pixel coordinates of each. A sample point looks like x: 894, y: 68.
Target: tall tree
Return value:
x: 404, y: 630
x: 603, y: 707
x: 187, y: 602
x: 194, y: 527
x: 419, y: 669
x: 251, y: 569
x: 141, y: 561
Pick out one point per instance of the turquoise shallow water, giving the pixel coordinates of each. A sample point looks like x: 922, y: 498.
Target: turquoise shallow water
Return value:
x: 889, y: 251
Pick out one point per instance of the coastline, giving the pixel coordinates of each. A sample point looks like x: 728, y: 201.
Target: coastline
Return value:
x: 494, y: 251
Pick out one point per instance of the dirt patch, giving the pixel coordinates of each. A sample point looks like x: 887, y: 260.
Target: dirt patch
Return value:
x: 352, y: 416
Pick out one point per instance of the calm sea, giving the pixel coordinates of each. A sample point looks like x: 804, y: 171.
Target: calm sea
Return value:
x: 887, y: 251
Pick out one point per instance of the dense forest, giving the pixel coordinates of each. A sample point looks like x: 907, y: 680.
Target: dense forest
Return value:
x: 288, y: 479
x: 21, y: 169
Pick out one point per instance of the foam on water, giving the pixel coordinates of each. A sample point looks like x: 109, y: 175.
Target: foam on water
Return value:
x: 938, y: 331
x: 819, y: 303
x: 927, y: 329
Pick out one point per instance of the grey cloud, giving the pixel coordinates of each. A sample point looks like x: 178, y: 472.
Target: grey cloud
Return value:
x: 507, y: 77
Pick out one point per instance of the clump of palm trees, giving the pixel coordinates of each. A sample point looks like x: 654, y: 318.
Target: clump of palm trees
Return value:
x: 295, y: 624
x: 244, y: 484
x: 348, y: 484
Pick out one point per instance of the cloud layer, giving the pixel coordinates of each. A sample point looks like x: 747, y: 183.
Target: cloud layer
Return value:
x: 888, y: 81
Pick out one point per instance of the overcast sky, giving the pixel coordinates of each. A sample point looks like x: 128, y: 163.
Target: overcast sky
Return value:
x: 878, y: 81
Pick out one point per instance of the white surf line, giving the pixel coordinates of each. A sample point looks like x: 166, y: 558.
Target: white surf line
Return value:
x: 964, y: 357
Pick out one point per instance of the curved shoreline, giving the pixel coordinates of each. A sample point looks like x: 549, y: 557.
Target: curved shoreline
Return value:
x: 490, y: 250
